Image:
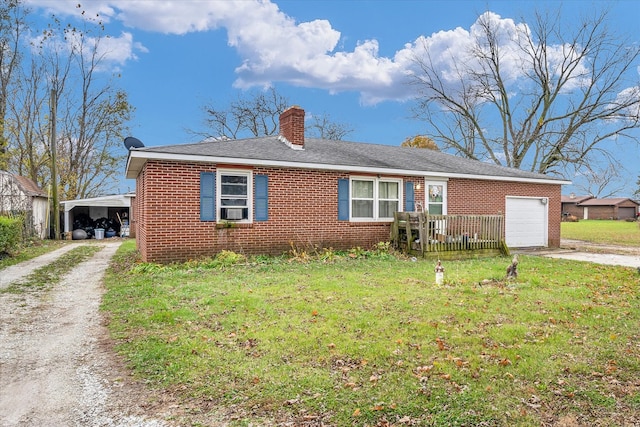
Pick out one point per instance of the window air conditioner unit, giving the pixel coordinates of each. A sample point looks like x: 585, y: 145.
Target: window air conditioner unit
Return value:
x: 234, y: 213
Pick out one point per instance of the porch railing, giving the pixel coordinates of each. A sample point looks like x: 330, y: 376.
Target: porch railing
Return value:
x: 422, y: 233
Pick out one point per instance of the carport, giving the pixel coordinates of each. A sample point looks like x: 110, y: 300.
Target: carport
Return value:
x: 116, y: 208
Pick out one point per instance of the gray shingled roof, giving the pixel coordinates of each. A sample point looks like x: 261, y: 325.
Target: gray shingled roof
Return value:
x: 327, y: 153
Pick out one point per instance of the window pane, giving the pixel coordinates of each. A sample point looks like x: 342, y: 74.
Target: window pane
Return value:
x: 234, y: 179
x: 234, y: 190
x: 435, y: 193
x: 388, y: 190
x: 435, y: 209
x: 362, y: 209
x: 387, y: 208
x: 233, y: 202
x: 363, y: 189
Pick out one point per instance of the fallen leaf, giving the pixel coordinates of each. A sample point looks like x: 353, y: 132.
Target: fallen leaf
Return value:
x: 424, y: 368
x: 505, y: 362
x: 356, y: 413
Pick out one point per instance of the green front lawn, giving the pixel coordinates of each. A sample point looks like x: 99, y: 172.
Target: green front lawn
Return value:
x: 603, y: 231
x: 369, y: 339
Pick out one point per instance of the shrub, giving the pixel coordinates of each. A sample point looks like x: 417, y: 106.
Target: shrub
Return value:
x: 10, y: 233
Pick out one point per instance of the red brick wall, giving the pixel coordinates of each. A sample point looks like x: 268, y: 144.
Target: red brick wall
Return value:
x: 292, y: 125
x: 300, y: 216
x: 478, y: 197
x: 602, y: 212
x: 573, y: 209
x: 169, y: 226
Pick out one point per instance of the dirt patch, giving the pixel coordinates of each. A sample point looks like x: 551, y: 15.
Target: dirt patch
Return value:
x: 56, y: 361
x: 583, y: 246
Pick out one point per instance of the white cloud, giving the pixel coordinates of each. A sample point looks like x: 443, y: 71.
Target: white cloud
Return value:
x: 274, y: 47
x: 111, y: 53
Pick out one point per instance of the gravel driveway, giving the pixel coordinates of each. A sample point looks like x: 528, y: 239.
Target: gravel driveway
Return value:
x: 56, y: 367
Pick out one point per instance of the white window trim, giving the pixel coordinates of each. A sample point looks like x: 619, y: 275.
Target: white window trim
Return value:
x: 427, y: 183
x: 376, y: 199
x: 237, y: 172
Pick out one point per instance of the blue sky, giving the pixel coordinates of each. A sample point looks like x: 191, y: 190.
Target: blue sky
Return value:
x: 336, y: 57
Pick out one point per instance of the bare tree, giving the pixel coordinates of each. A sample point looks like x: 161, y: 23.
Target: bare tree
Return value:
x: 12, y: 24
x: 257, y: 113
x: 250, y: 115
x: 541, y: 97
x: 322, y: 126
x: 420, y: 141
x: 27, y: 125
x: 92, y: 113
x: 601, y: 182
x: 636, y: 193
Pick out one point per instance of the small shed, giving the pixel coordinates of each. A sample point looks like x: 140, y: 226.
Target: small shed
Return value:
x: 21, y: 195
x: 611, y: 208
x: 95, y: 212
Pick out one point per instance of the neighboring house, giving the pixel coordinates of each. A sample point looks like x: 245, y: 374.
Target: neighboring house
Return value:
x: 570, y: 205
x: 612, y: 208
x: 18, y: 195
x: 271, y: 194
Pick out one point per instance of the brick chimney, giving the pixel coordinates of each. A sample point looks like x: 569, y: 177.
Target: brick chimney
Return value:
x: 292, y: 126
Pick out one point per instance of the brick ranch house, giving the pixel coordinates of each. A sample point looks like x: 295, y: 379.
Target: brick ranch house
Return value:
x: 265, y: 195
x: 571, y: 205
x: 609, y: 208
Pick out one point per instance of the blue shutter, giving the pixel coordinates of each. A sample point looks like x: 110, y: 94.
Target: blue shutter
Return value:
x: 262, y: 197
x: 207, y: 196
x: 343, y: 200
x: 410, y: 198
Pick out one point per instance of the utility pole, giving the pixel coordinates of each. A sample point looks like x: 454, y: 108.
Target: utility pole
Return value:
x: 54, y: 169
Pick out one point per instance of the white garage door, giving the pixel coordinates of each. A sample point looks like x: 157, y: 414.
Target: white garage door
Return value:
x: 526, y: 221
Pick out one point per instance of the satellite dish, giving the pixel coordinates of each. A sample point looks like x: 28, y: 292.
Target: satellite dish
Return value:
x: 131, y: 142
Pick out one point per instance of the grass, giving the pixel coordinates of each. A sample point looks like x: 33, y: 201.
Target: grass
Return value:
x: 29, y: 251
x: 369, y: 339
x: 603, y: 231
x: 47, y: 276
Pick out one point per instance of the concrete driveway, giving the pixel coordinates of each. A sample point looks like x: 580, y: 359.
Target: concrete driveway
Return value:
x: 592, y: 252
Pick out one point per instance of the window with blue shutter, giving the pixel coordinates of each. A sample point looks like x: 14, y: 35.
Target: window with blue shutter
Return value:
x: 207, y: 196
x: 343, y: 200
x: 262, y: 197
x: 409, y: 195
